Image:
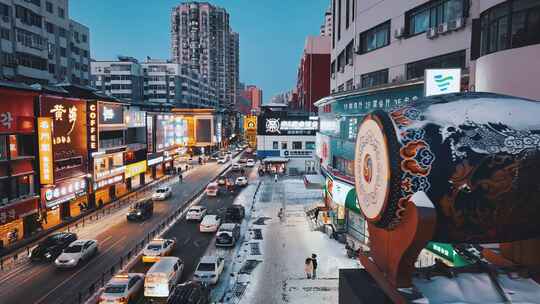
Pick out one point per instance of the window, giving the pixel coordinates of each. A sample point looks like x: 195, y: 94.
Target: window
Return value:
x: 49, y: 7
x: 275, y: 145
x: 3, y: 147
x: 284, y: 146
x: 84, y: 38
x: 52, y: 68
x: 63, y: 51
x: 27, y: 16
x: 50, y: 27
x: 5, y: 33
x: 4, y: 10
x: 339, y: 21
x: 32, y: 61
x: 334, y: 24
x: 509, y: 25
x: 349, y: 53
x: 374, y: 78
x: 349, y: 85
x: 341, y: 61
x: 297, y: 145
x: 419, y: 19
x: 62, y: 32
x: 452, y: 60
x: 61, y: 12
x: 347, y: 14
x: 375, y: 38
x: 343, y: 165
x: 353, y: 9
x: 25, y: 145
x: 35, y: 2
x: 333, y: 69
x: 29, y: 39
x: 310, y: 145
x: 9, y: 60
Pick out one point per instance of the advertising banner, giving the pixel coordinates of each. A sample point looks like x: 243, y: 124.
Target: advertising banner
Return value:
x: 150, y: 133
x: 111, y: 114
x: 134, y: 118
x: 442, y: 81
x: 203, y: 129
x: 181, y: 131
x: 281, y: 124
x: 46, y: 173
x: 135, y: 169
x: 92, y: 126
x: 63, y: 191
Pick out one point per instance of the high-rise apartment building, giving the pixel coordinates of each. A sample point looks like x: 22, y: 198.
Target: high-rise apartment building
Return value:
x: 255, y: 95
x: 122, y: 78
x: 326, y: 26
x: 39, y: 43
x: 201, y: 38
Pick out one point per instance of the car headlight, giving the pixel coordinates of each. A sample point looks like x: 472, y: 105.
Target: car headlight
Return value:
x: 48, y: 255
x: 139, y: 213
x: 71, y: 261
x: 30, y: 254
x: 213, y: 276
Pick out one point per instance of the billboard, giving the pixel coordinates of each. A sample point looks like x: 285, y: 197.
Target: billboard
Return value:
x: 69, y: 139
x: 46, y: 175
x: 150, y: 133
x: 442, y: 81
x: 111, y: 113
x: 282, y: 124
x: 92, y: 126
x: 181, y: 131
x: 164, y: 132
x: 203, y: 129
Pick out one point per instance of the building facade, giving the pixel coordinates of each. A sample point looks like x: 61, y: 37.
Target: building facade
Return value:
x: 122, y: 78
x: 39, y: 43
x: 326, y: 26
x: 201, y: 38
x: 313, y: 72
x: 255, y: 95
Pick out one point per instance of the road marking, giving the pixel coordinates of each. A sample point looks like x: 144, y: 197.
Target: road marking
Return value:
x: 187, y: 240
x: 16, y: 271
x: 80, y: 270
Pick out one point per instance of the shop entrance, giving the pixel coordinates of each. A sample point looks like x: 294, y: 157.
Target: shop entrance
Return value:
x: 64, y: 210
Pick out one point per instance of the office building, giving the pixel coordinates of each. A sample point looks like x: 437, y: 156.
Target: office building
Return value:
x: 255, y: 95
x: 201, y: 39
x: 326, y: 26
x: 39, y: 43
x: 313, y: 72
x: 122, y: 78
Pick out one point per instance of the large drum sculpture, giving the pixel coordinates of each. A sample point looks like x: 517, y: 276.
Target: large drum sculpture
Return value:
x: 475, y: 155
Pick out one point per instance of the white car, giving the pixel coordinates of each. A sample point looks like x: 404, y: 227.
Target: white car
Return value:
x: 123, y: 288
x: 210, y: 223
x: 162, y: 193
x: 157, y: 248
x: 209, y: 269
x: 76, y: 252
x: 196, y: 213
x: 241, y: 181
x: 250, y: 163
x: 222, y: 160
x: 238, y: 149
x: 212, y: 189
x: 236, y: 167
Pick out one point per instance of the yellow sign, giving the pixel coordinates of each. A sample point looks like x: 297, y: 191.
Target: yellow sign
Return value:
x: 46, y: 174
x: 134, y: 169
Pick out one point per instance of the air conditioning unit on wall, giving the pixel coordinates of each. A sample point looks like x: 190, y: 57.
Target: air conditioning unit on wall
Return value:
x: 399, y: 33
x: 442, y: 28
x: 431, y: 33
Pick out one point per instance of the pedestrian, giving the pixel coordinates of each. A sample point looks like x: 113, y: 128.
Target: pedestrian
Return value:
x: 179, y: 171
x: 314, y: 265
x: 181, y: 178
x: 275, y: 178
x: 308, y: 268
x: 187, y: 167
x: 317, y: 214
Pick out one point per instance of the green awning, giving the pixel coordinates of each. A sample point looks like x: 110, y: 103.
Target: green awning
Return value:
x: 350, y: 202
x: 447, y: 252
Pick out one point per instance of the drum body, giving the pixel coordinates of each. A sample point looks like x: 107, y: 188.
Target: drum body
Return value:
x: 475, y: 155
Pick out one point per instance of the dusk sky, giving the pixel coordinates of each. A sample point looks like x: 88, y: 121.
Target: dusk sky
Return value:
x: 272, y: 33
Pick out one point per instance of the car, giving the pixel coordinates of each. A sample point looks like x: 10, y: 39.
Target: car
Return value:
x: 228, y: 234
x: 222, y: 180
x: 212, y: 189
x: 228, y: 153
x: 238, y: 149
x: 123, y: 288
x: 51, y: 247
x: 210, y: 223
x: 249, y: 150
x: 76, y: 252
x: 196, y: 213
x: 162, y: 193
x: 222, y: 160
x: 190, y: 293
x: 235, y: 213
x: 157, y: 248
x: 236, y: 167
x: 241, y: 181
x: 250, y: 163
x: 141, y: 211
x: 161, y: 279
x: 242, y: 161
x: 209, y: 269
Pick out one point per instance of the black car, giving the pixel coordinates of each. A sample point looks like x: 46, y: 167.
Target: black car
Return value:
x: 141, y: 211
x: 235, y: 213
x: 50, y: 248
x: 228, y: 234
x: 189, y: 293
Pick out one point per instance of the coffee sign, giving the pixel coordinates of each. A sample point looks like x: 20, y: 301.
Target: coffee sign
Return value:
x: 92, y: 126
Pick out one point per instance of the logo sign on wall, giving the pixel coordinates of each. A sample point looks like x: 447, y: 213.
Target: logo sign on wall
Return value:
x: 111, y: 114
x: 46, y: 175
x: 442, y: 81
x: 92, y: 126
x: 64, y: 191
x: 284, y: 125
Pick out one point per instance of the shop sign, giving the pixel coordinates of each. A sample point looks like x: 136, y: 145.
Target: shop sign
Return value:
x: 92, y: 126
x: 134, y: 169
x: 155, y: 161
x: 63, y: 191
x: 16, y: 111
x: 442, y: 81
x: 284, y: 125
x: 339, y: 191
x: 135, y: 119
x: 447, y: 252
x: 111, y: 114
x: 107, y: 173
x: 150, y: 133
x: 17, y: 211
x: 46, y: 175
x: 322, y: 149
x: 108, y: 181
x: 364, y: 103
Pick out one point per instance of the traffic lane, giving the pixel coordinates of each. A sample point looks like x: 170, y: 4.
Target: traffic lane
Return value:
x: 47, y: 285
x: 192, y: 244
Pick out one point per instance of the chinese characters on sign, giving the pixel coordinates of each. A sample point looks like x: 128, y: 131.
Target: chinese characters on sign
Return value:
x: 59, y: 110
x: 45, y: 150
x: 283, y: 125
x: 6, y: 119
x: 64, y: 191
x: 92, y: 126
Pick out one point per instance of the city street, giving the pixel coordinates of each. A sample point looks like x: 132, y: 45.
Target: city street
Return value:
x: 43, y: 283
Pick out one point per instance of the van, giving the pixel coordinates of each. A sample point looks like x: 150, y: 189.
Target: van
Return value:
x: 161, y: 279
x: 212, y: 189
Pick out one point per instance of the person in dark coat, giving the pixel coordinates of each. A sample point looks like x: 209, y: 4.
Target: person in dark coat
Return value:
x: 314, y: 262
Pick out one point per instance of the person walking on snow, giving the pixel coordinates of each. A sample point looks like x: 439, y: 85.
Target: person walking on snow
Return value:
x: 275, y: 178
x: 308, y: 268
x: 181, y: 178
x: 314, y: 265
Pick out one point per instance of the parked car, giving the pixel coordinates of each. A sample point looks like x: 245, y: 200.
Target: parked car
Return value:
x: 235, y: 213
x: 210, y: 223
x: 222, y: 160
x: 222, y: 180
x: 156, y: 249
x: 76, y: 252
x: 250, y: 163
x: 238, y: 149
x: 51, y: 247
x: 228, y: 234
x: 123, y: 288
x: 236, y: 167
x: 212, y: 189
x: 162, y: 193
x: 196, y: 213
x: 209, y: 269
x: 140, y: 211
x: 241, y: 181
x: 190, y: 293
x: 161, y: 279
x: 228, y: 153
x: 242, y: 161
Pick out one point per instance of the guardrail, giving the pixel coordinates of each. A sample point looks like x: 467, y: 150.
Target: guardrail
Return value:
x: 11, y: 260
x: 86, y: 294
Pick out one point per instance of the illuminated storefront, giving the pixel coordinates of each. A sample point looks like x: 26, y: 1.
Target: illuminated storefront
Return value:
x: 250, y: 130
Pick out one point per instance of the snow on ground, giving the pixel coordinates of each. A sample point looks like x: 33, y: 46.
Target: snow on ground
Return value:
x: 272, y: 256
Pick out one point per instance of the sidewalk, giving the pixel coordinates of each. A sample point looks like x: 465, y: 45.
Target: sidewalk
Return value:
x: 270, y: 267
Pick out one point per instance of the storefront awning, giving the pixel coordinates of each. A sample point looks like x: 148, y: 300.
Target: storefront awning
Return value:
x: 314, y: 181
x: 275, y: 160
